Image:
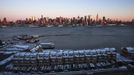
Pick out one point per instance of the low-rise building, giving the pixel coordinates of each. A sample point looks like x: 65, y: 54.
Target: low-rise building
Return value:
x: 128, y: 51
x: 63, y: 59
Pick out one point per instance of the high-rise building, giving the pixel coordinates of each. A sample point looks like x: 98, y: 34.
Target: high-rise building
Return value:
x: 42, y: 16
x: 89, y: 19
x: 97, y: 18
x: 32, y: 18
x: 0, y: 21
x: 4, y: 21
x: 104, y: 20
x: 85, y: 20
x: 132, y: 21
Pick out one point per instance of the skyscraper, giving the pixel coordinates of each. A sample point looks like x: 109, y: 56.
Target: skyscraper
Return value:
x: 104, y: 20
x: 89, y: 19
x: 41, y: 16
x: 4, y: 21
x: 97, y: 18
x: 132, y: 21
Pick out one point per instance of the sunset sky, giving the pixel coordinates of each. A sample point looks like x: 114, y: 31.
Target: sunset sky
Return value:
x: 20, y: 9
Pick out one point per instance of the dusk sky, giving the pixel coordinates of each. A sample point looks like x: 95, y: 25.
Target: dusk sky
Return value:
x: 20, y: 9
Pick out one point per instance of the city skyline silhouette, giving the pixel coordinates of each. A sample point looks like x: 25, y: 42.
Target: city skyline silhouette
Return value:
x: 21, y: 9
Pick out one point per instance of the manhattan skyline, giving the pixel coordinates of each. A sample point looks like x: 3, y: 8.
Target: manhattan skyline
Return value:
x: 21, y: 9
